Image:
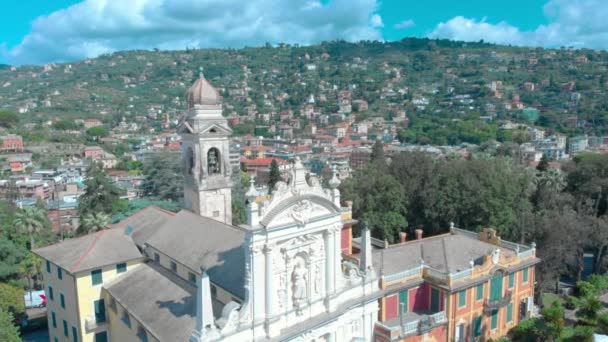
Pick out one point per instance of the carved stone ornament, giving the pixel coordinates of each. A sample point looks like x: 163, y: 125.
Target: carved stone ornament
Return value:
x: 301, y: 212
x: 496, y: 256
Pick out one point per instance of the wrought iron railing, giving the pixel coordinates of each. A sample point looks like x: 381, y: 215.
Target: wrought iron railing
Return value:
x: 490, y: 305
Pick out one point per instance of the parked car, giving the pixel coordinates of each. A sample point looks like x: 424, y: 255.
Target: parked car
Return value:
x: 34, y: 299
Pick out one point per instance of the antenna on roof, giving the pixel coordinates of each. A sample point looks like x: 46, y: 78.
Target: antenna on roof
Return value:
x: 200, y: 72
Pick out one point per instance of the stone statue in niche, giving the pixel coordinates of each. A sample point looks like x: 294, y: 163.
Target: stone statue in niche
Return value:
x: 299, y: 278
x: 213, y: 163
x: 317, y: 279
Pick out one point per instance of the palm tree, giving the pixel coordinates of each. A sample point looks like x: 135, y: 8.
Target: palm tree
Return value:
x: 552, y: 179
x: 93, y: 222
x: 30, y: 220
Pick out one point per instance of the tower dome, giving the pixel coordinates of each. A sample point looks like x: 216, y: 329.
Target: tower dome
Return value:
x: 203, y: 93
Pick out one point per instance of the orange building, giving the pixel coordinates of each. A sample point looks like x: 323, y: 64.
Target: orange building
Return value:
x: 460, y: 286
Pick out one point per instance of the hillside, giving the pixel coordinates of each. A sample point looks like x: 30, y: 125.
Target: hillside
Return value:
x: 434, y: 81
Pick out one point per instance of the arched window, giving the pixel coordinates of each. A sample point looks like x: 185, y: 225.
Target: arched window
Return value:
x: 190, y: 161
x: 213, y: 161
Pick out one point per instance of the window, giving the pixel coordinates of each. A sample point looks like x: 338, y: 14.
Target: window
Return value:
x: 173, y: 266
x: 100, y: 311
x: 126, y: 319
x: 121, y: 268
x: 59, y: 273
x: 56, y: 339
x: 96, y: 277
x: 74, y: 334
x: 479, y: 292
x: 101, y: 336
x: 462, y: 298
x: 191, y: 277
x: 494, y: 319
x: 511, y: 280
x: 435, y: 295
x: 157, y: 258
x: 141, y: 334
x: 62, y: 300
x: 525, y: 276
x: 496, y: 287
x: 65, y: 328
x: 510, y: 313
x: 459, y: 335
x: 213, y: 291
x: 477, y: 326
x: 51, y: 295
x: 53, y: 320
x: 403, y: 299
x: 48, y: 267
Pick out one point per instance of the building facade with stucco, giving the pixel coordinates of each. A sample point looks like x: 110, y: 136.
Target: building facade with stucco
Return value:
x: 292, y: 272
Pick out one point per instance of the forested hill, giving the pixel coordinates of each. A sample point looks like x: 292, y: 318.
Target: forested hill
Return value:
x: 426, y: 78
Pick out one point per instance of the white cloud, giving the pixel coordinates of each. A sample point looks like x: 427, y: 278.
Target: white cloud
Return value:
x: 93, y: 27
x: 376, y: 21
x: 578, y: 23
x: 405, y: 24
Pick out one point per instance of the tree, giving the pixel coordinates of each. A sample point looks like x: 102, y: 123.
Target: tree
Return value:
x: 11, y: 256
x: 8, y: 331
x: 274, y: 177
x: 65, y: 125
x: 97, y: 132
x: 30, y: 220
x: 164, y: 179
x: 93, y: 222
x: 8, y: 119
x: 101, y: 194
x: 11, y: 300
x: 378, y: 153
x: 543, y: 165
x: 553, y: 317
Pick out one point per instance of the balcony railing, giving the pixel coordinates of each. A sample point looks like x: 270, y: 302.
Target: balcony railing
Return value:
x: 490, y: 305
x: 93, y: 323
x: 410, y: 324
x: 424, y: 324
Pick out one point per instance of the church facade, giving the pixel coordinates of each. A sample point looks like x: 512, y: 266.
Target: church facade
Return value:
x: 293, y: 272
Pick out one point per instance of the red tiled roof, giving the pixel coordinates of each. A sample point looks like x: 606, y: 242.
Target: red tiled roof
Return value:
x: 261, y: 161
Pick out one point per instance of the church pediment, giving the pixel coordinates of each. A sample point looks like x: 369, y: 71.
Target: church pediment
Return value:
x: 185, y: 127
x: 299, y: 210
x: 215, y: 129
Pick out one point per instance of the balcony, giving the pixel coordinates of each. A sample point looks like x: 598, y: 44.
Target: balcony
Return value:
x: 412, y: 323
x: 93, y: 322
x: 490, y: 305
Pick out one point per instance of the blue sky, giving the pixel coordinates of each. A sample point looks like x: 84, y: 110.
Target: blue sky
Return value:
x: 42, y: 31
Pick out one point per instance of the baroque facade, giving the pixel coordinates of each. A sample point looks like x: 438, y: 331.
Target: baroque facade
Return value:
x: 293, y: 272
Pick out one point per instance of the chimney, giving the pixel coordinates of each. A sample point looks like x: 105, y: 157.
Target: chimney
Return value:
x: 402, y: 237
x: 418, y: 234
x: 204, y: 312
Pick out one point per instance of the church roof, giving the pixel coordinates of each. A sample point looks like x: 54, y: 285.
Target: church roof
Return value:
x: 164, y: 303
x: 197, y: 241
x: 145, y: 223
x: 203, y: 93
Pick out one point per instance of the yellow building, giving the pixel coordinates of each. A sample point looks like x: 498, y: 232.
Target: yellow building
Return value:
x: 74, y: 273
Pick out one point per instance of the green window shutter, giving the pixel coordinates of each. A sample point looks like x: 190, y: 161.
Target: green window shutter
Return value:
x: 74, y: 334
x: 59, y: 273
x: 509, y: 312
x: 192, y: 277
x: 62, y: 300
x: 496, y: 288
x: 53, y: 320
x: 525, y: 276
x: 48, y: 267
x: 100, y: 311
x: 121, y: 268
x: 96, y: 277
x: 511, y: 280
x: 403, y: 298
x: 65, y: 328
x: 494, y: 319
x: 462, y: 298
x: 51, y: 295
x: 477, y: 326
x: 479, y: 292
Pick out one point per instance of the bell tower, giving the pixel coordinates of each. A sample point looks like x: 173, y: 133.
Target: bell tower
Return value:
x: 205, y: 154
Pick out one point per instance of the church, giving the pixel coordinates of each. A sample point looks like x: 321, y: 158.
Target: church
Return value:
x: 293, y: 272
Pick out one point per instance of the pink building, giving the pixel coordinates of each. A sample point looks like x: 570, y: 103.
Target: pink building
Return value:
x: 94, y: 152
x: 12, y: 142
